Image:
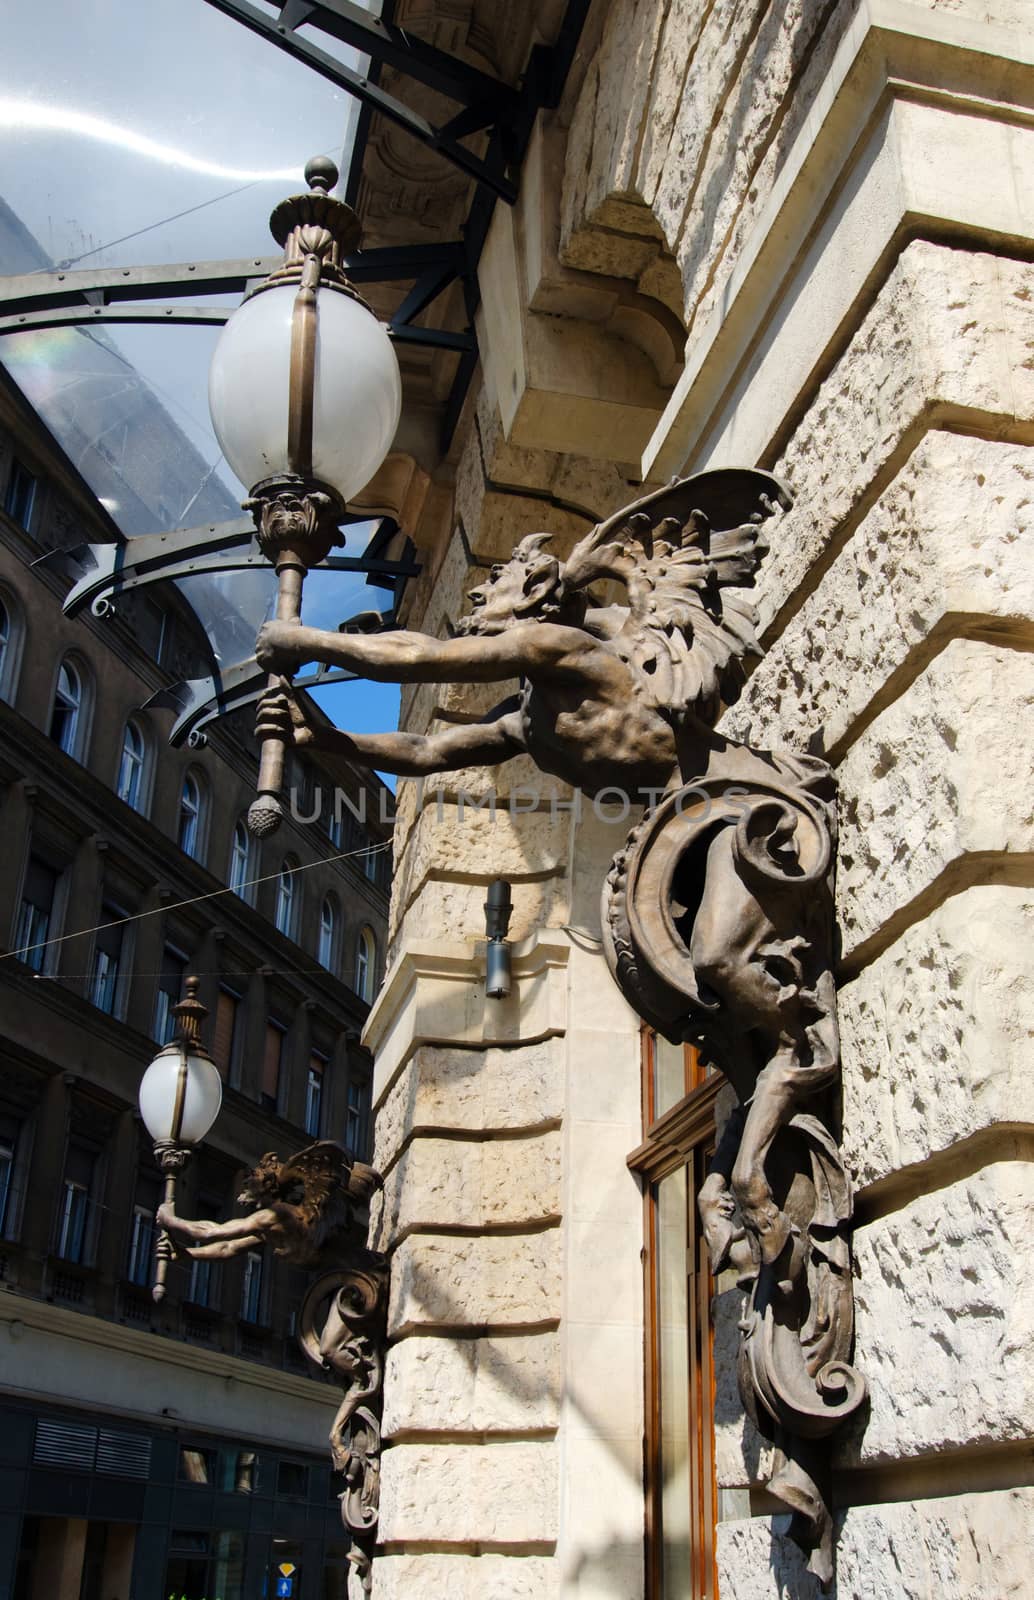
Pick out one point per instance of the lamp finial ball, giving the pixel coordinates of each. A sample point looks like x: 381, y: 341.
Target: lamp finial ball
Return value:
x: 321, y: 174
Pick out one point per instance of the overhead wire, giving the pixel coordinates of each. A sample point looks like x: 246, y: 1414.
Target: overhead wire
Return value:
x: 180, y: 905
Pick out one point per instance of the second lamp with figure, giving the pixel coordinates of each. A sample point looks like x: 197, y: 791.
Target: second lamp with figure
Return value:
x: 305, y: 396
x: 301, y: 1207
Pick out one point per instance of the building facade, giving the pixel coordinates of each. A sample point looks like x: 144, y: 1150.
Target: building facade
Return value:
x: 795, y: 237
x: 177, y: 1449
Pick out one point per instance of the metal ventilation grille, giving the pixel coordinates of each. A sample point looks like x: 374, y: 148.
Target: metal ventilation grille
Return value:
x: 124, y: 1455
x: 65, y: 1444
x: 76, y: 1448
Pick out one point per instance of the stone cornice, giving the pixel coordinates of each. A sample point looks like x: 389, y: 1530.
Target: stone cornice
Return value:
x: 78, y: 1326
x: 893, y: 52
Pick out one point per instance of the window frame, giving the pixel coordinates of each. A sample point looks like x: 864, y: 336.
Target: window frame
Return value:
x: 11, y: 646
x: 138, y: 799
x: 110, y: 912
x: 140, y: 1265
x: 192, y: 818
x: 365, y: 973
x: 23, y: 939
x: 18, y: 475
x: 76, y: 743
x: 681, y: 1137
x: 357, y: 1113
x: 285, y: 912
x: 252, y: 1291
x: 315, y: 1083
x: 183, y: 959
x: 329, y: 932
x: 243, y: 888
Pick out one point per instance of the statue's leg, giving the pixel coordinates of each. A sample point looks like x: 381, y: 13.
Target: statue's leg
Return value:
x: 773, y: 1104
x: 715, y: 1201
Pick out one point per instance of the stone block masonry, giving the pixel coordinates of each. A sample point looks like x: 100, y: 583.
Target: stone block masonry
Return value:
x: 836, y: 201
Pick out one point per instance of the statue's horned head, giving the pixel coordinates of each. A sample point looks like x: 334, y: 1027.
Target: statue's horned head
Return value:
x: 527, y: 588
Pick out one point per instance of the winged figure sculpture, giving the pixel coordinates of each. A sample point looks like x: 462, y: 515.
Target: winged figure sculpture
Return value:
x: 717, y: 912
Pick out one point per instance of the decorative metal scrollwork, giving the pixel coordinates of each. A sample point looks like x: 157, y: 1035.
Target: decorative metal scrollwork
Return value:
x: 342, y: 1328
x: 719, y: 930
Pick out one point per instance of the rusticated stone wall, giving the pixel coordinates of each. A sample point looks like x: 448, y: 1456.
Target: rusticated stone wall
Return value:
x: 835, y: 203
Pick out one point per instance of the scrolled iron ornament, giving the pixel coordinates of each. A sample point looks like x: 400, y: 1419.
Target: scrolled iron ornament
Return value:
x: 342, y: 1328
x: 718, y: 922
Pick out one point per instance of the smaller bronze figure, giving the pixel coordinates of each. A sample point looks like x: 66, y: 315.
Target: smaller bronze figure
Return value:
x: 303, y: 1208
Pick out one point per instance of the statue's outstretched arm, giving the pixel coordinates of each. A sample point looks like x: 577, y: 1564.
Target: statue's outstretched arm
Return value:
x: 410, y: 755
x: 403, y: 657
x: 218, y: 1240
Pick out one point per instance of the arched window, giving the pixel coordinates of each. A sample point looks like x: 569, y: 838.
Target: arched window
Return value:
x: 240, y: 861
x: 191, y: 824
x: 328, y: 934
x: 365, y: 959
x: 12, y: 635
x: 285, y: 898
x: 132, y: 768
x: 66, y: 718
x: 6, y: 645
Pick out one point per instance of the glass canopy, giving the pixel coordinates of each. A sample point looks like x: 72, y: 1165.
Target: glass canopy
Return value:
x: 158, y: 134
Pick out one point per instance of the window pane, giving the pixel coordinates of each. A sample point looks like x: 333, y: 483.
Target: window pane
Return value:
x: 141, y: 1246
x: 251, y: 1288
x: 271, y: 1065
x: 196, y: 1466
x: 5, y: 641
x: 107, y: 960
x: 314, y: 1095
x: 21, y: 495
x: 190, y: 816
x: 64, y: 720
x: 131, y: 767
x: 285, y: 900
x: 170, y: 987
x: 224, y: 1037
x: 72, y: 1232
x: 669, y: 1074
x: 200, y: 1283
x: 35, y: 913
x: 328, y: 923
x: 240, y: 859
x: 292, y: 1478
x: 673, y: 1362
x: 9, y: 1130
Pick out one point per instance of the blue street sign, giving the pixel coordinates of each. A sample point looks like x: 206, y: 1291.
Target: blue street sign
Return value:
x: 284, y: 1588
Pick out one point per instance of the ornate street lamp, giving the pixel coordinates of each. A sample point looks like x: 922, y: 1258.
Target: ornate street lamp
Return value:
x: 305, y: 396
x: 180, y: 1095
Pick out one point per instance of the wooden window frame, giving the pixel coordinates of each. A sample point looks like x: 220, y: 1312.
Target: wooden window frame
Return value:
x: 682, y: 1136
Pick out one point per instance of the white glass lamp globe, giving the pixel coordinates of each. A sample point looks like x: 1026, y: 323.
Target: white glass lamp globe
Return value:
x: 357, y: 399
x: 201, y: 1101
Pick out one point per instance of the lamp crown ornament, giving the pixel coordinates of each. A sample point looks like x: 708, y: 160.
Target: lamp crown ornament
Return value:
x: 190, y: 1013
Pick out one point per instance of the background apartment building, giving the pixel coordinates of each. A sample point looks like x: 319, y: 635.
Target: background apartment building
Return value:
x: 173, y: 1449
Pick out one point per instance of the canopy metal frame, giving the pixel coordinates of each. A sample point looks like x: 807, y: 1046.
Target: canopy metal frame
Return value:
x: 154, y: 294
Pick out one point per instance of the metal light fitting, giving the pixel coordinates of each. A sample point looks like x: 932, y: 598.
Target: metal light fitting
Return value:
x: 176, y: 1127
x: 498, y: 968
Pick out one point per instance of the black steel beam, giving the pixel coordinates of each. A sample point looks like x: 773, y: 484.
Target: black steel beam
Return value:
x: 327, y: 66
x: 382, y: 41
x: 102, y: 286
x: 196, y: 316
